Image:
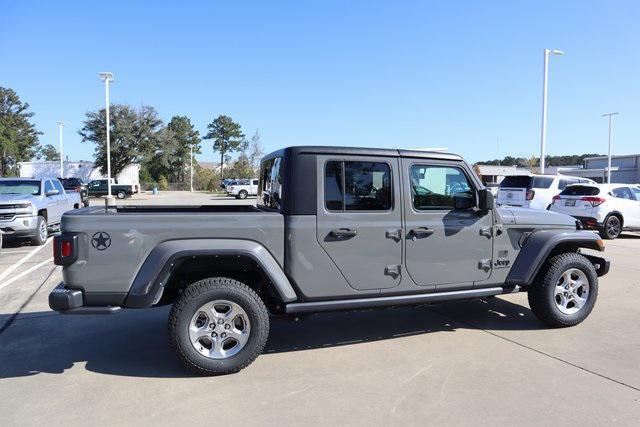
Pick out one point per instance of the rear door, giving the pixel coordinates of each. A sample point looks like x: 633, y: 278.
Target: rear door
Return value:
x: 445, y: 248
x: 359, y: 219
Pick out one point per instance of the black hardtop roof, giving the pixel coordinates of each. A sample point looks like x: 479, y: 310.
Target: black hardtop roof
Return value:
x: 361, y: 151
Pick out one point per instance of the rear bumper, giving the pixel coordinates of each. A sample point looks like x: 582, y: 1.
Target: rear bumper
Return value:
x: 589, y: 223
x: 600, y: 264
x: 72, y: 301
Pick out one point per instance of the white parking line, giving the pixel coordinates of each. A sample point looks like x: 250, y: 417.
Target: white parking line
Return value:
x: 22, y: 261
x: 24, y: 273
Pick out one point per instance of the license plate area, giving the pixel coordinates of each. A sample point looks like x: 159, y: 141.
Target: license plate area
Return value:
x: 570, y: 203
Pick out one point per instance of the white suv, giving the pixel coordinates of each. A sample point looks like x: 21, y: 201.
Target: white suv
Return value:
x: 534, y: 191
x: 243, y: 188
x: 608, y: 208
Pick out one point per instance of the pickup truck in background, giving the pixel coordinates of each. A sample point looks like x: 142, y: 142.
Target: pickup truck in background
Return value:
x: 76, y: 185
x: 31, y: 208
x: 98, y: 188
x: 243, y: 188
x: 334, y: 228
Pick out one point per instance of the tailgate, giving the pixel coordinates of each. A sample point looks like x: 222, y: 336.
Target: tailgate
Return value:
x: 512, y: 196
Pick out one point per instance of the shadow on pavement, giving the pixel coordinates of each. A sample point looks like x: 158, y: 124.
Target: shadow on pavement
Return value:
x: 134, y: 342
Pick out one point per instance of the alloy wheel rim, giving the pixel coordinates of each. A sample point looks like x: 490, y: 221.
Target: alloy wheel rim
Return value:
x: 219, y: 329
x: 613, y: 226
x: 43, y: 230
x: 571, y: 291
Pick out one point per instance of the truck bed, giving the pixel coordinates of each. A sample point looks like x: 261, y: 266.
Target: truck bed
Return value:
x: 133, y: 231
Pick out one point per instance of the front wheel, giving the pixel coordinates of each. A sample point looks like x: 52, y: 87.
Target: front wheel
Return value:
x: 42, y: 232
x: 242, y: 195
x: 565, y: 290
x: 218, y: 326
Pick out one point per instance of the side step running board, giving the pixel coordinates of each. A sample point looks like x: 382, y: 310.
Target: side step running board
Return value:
x: 351, y: 304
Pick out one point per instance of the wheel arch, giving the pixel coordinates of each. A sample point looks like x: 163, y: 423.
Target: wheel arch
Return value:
x: 194, y: 259
x: 618, y: 214
x: 546, y: 243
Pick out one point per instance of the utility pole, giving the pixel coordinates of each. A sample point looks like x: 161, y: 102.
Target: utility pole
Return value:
x: 60, y: 126
x: 107, y: 77
x: 543, y: 138
x: 610, y: 116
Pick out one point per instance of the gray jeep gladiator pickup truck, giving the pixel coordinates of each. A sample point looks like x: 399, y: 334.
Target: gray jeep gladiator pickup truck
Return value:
x: 334, y: 229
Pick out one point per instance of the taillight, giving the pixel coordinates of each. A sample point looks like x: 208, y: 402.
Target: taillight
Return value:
x: 66, y: 248
x: 556, y: 197
x: 594, y: 201
x: 530, y: 194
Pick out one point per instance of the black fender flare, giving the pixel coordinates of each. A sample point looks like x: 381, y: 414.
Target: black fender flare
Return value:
x: 539, y: 245
x: 157, y: 267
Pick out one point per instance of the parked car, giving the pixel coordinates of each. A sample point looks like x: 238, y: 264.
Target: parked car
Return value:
x: 534, y: 191
x: 98, y: 188
x: 243, y: 188
x: 76, y: 185
x: 334, y: 228
x: 608, y: 208
x: 31, y: 208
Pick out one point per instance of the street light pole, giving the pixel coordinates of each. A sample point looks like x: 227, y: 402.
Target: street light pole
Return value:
x: 107, y: 77
x: 543, y: 138
x: 60, y: 125
x: 610, y: 116
x: 192, y: 168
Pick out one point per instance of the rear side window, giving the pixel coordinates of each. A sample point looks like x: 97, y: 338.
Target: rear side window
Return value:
x: 434, y: 187
x: 622, y: 193
x: 270, y: 186
x: 636, y: 192
x: 542, y: 181
x: 357, y: 186
x: 580, y: 190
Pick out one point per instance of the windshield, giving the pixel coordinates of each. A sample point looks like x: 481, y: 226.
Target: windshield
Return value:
x: 580, y: 190
x: 28, y: 188
x: 526, y: 182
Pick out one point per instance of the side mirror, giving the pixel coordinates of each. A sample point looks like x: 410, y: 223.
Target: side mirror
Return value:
x: 486, y: 201
x: 52, y: 193
x: 463, y: 201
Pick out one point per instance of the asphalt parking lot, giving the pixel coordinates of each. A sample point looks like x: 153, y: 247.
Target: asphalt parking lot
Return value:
x: 459, y: 363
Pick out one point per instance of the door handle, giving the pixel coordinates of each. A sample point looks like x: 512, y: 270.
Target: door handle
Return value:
x: 343, y: 232
x: 420, y: 232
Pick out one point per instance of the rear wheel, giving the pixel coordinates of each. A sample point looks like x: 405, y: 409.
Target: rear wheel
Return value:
x: 565, y: 290
x: 41, y: 232
x: 218, y: 326
x: 242, y: 194
x: 121, y: 195
x: 611, y: 228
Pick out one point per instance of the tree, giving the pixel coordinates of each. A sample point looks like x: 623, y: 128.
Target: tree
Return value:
x: 49, y: 153
x: 255, y: 153
x: 18, y: 136
x: 134, y: 135
x: 186, y: 137
x: 532, y: 163
x: 226, y: 135
x: 241, y: 168
x: 477, y: 171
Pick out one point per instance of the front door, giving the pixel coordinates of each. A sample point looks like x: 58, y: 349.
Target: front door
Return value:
x: 359, y: 219
x: 446, y: 248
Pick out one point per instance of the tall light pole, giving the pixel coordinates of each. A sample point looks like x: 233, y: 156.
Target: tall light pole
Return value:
x: 60, y: 126
x: 543, y: 139
x: 610, y: 116
x: 107, y: 77
x: 192, y: 168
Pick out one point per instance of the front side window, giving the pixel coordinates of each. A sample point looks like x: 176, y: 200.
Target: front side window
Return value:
x: 434, y: 187
x: 48, y: 187
x: 357, y: 186
x: 636, y: 192
x: 58, y: 186
x: 622, y: 193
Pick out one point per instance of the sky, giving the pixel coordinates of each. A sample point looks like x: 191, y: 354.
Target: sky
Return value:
x: 465, y: 75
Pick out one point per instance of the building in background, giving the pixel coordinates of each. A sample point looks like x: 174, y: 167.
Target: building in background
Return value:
x: 86, y: 171
x: 493, y: 175
x: 624, y: 169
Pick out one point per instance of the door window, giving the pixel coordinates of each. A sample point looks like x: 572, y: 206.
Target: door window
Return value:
x: 636, y: 192
x: 48, y: 186
x: 58, y: 186
x: 434, y: 187
x: 357, y: 186
x: 622, y: 193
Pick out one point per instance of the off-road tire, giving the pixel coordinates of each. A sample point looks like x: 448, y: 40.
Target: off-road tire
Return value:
x: 606, y: 229
x: 39, y: 239
x: 199, y: 293
x: 542, y: 291
x: 242, y: 195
